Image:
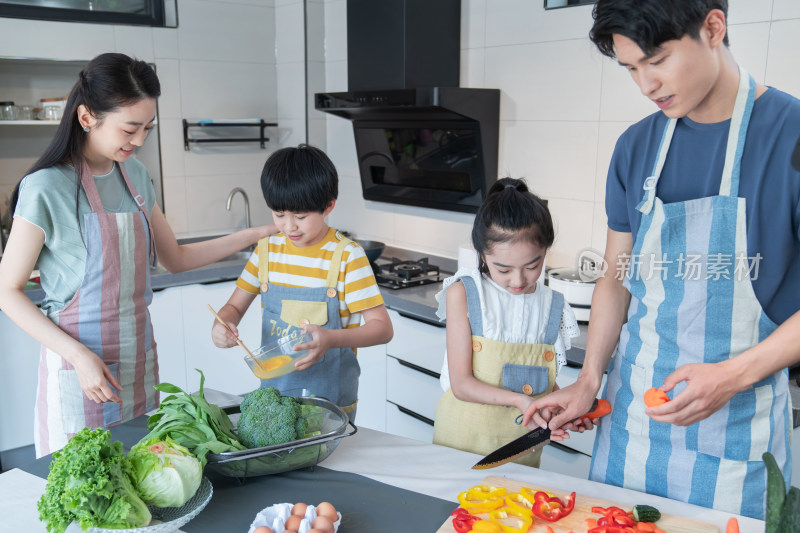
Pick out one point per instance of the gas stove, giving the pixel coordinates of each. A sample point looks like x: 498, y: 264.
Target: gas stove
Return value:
x: 394, y: 273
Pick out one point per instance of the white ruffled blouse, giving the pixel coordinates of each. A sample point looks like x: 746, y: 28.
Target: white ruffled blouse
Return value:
x: 514, y: 318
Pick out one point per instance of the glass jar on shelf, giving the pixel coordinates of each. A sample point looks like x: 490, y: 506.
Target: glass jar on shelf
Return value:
x: 8, y: 111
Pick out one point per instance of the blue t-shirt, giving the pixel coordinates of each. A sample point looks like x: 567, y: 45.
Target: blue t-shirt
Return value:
x: 693, y: 169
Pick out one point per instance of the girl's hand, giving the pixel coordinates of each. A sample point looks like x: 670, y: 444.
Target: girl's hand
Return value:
x: 222, y: 336
x: 317, y: 347
x: 94, y: 377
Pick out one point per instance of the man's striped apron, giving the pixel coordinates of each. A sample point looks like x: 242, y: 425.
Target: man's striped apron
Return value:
x: 692, y: 301
x: 108, y: 314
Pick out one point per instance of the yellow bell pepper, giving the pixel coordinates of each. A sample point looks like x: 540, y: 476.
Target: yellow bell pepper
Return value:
x: 519, y: 501
x: 523, y: 518
x: 485, y: 526
x: 482, y: 499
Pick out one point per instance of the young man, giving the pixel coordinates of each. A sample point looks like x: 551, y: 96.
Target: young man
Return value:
x: 309, y: 277
x: 702, y: 293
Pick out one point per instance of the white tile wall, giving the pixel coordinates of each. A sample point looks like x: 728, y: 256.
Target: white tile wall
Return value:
x: 563, y: 106
x: 225, y: 60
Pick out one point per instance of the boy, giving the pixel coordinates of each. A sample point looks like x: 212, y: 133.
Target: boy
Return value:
x: 295, y: 272
x: 706, y: 180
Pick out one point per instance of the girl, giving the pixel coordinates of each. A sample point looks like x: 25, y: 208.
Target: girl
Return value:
x: 87, y: 214
x: 507, y: 333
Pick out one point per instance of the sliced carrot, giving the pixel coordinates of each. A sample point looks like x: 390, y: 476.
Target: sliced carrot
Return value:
x: 655, y: 397
x: 591, y: 523
x: 733, y: 526
x: 645, y: 527
x: 550, y: 530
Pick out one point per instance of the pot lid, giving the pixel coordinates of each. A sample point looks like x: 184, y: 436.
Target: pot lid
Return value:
x: 570, y: 275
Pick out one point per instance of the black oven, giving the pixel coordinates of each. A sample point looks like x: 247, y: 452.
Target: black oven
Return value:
x: 159, y: 13
x: 436, y: 164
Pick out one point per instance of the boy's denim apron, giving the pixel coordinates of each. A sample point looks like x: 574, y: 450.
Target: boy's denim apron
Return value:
x: 524, y: 368
x: 677, y: 317
x: 335, y: 375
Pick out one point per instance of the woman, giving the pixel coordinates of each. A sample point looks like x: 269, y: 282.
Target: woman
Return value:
x: 87, y: 214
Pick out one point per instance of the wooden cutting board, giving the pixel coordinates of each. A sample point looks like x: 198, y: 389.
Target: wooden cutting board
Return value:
x: 583, y: 509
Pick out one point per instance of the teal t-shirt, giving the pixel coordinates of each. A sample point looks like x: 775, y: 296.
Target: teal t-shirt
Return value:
x: 47, y: 200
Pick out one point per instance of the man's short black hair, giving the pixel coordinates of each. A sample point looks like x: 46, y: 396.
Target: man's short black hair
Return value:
x: 299, y: 180
x: 649, y: 23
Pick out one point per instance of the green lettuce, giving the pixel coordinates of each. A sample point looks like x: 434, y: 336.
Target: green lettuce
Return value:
x: 165, y: 473
x: 89, y: 483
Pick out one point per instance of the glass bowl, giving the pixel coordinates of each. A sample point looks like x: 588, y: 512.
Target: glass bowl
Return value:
x: 165, y: 519
x: 277, y: 358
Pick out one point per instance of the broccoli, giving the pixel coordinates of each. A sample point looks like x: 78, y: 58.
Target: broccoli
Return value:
x: 267, y: 418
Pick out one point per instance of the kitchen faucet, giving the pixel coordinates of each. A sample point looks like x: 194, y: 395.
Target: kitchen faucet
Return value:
x: 246, y: 204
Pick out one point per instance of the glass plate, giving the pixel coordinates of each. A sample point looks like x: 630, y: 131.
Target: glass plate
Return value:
x: 171, y: 518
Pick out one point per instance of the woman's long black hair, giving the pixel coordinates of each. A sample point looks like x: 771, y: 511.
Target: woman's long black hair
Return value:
x: 108, y: 82
x: 511, y: 213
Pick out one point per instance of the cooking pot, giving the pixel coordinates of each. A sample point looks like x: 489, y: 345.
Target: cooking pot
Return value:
x: 577, y: 291
x: 373, y: 249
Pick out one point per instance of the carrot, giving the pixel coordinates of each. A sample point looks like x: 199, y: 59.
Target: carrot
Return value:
x: 645, y: 527
x: 550, y: 530
x: 655, y: 397
x: 656, y: 529
x: 733, y: 526
x: 591, y: 523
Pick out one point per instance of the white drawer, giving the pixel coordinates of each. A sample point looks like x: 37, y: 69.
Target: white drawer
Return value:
x: 582, y: 442
x: 417, y: 342
x: 406, y: 425
x: 412, y: 387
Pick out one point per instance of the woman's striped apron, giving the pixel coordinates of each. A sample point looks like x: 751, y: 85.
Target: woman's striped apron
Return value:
x: 692, y: 301
x: 108, y: 314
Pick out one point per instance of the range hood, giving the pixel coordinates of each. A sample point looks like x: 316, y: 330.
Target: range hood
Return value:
x: 420, y: 138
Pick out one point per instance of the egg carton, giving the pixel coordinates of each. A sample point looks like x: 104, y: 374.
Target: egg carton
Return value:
x: 275, y: 516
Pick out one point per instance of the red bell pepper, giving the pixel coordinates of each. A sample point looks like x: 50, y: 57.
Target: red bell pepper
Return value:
x: 463, y: 521
x: 551, y: 508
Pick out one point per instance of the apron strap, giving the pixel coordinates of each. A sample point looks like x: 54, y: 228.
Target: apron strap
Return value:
x: 263, y: 261
x: 90, y: 188
x: 554, y: 320
x: 745, y: 97
x: 473, y: 305
x: 140, y: 204
x: 336, y: 262
x: 650, y: 183
x: 92, y: 194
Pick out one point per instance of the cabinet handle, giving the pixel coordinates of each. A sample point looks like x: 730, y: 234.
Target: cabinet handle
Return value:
x: 418, y: 368
x: 412, y: 414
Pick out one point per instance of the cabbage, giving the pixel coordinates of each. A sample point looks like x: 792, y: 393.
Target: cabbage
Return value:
x: 165, y: 473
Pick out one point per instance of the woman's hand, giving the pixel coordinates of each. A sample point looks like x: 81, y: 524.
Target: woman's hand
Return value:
x: 320, y: 343
x: 94, y: 377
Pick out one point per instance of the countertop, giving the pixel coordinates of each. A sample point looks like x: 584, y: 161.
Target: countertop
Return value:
x: 437, y: 472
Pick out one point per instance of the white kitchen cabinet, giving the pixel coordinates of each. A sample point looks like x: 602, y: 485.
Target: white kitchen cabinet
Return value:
x: 19, y: 364
x: 413, y: 362
x: 166, y: 311
x: 372, y: 388
x: 224, y: 369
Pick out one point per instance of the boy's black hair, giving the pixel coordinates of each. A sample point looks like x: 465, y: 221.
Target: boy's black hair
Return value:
x: 511, y: 213
x: 649, y: 23
x: 299, y: 180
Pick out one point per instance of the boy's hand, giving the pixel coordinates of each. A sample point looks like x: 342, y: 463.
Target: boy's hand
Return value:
x: 316, y: 348
x: 222, y: 336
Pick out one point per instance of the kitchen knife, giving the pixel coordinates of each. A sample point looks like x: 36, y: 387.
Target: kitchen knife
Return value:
x: 532, y: 440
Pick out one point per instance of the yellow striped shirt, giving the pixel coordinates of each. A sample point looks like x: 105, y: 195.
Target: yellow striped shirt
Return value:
x: 307, y: 267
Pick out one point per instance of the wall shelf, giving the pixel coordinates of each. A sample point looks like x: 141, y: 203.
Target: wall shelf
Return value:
x: 208, y: 125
